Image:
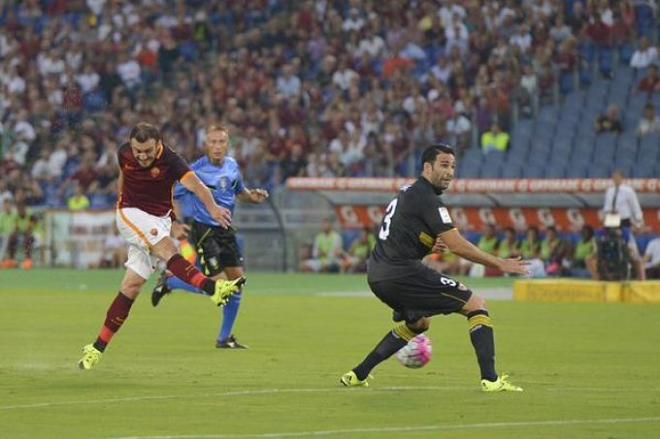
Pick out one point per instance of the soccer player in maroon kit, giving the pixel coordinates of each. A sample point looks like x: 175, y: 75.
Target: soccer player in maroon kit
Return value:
x: 148, y: 172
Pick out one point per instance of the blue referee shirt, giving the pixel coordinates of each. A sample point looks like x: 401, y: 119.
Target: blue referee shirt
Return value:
x: 224, y: 182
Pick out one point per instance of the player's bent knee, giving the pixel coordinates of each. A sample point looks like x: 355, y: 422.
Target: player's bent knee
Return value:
x: 475, y: 303
x: 165, y: 249
x: 420, y: 325
x: 131, y: 289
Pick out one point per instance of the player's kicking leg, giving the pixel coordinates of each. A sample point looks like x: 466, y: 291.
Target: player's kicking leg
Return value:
x: 139, y: 269
x: 117, y: 313
x: 161, y: 289
x: 483, y: 340
x: 394, y: 340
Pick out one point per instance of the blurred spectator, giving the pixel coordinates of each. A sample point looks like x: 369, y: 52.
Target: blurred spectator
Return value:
x: 583, y: 260
x: 400, y: 72
x: 509, y: 247
x: 326, y: 251
x: 495, y: 139
x: 610, y: 121
x: 294, y: 164
x: 553, y: 251
x: 651, y: 82
x: 645, y: 55
x: 355, y: 259
x: 5, y: 194
x: 560, y: 31
x: 23, y: 232
x: 459, y: 129
x: 621, y: 206
x: 78, y: 201
x: 530, y: 249
x: 623, y: 213
x: 288, y: 84
x: 489, y: 242
x: 528, y: 90
x: 650, y: 121
x: 114, y: 250
x: 7, y: 224
x: 652, y: 259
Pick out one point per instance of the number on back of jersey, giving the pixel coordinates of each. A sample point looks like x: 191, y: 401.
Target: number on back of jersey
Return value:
x: 384, y: 231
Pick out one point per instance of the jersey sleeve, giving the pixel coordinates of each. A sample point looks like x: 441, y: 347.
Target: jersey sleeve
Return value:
x: 177, y: 165
x: 120, y: 158
x: 180, y: 191
x: 437, y: 218
x: 239, y: 186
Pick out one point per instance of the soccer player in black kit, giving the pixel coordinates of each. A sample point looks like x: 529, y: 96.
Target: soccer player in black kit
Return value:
x: 416, y: 223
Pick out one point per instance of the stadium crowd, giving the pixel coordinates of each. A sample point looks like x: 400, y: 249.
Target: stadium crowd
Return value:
x: 309, y: 88
x: 315, y: 88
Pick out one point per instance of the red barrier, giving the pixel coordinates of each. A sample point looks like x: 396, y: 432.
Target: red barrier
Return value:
x: 475, y: 218
x: 647, y: 185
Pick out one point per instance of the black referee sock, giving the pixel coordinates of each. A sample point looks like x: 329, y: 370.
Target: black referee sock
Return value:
x: 483, y: 340
x: 390, y: 344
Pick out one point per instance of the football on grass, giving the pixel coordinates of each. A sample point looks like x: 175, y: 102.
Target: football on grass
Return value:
x: 416, y: 353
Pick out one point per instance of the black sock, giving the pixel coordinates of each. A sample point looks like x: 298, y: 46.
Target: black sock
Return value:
x: 100, y: 345
x: 390, y: 344
x: 483, y: 340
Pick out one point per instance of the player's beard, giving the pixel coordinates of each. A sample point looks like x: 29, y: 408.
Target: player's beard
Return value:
x: 442, y: 183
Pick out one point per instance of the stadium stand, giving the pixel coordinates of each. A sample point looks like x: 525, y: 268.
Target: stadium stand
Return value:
x: 76, y: 75
x: 324, y: 89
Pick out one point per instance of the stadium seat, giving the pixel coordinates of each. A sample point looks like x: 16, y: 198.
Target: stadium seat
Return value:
x: 583, y: 144
x: 468, y: 170
x: 624, y: 75
x: 548, y: 115
x: 598, y: 171
x: 535, y: 171
x: 555, y: 171
x: 544, y: 130
x: 560, y: 154
x: 643, y: 172
x: 491, y: 170
x: 512, y: 171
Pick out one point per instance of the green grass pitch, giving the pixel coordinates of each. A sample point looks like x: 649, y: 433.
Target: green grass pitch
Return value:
x: 589, y: 370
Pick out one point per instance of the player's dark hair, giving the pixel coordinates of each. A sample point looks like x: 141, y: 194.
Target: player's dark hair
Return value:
x: 430, y: 153
x: 144, y: 131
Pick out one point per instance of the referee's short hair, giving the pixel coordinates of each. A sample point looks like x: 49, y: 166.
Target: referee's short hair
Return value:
x: 430, y: 153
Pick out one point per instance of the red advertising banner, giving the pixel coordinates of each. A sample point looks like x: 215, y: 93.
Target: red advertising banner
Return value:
x: 473, y: 186
x: 475, y: 218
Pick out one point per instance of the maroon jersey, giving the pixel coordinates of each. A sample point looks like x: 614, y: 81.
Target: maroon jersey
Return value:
x: 149, y: 189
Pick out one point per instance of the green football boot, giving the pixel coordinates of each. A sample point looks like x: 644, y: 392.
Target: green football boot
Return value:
x: 91, y: 357
x: 502, y: 384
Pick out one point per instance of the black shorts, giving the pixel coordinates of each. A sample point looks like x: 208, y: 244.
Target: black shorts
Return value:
x: 216, y: 248
x: 423, y: 293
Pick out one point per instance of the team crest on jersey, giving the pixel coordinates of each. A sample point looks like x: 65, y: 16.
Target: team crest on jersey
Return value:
x: 224, y: 183
x: 155, y: 172
x: 444, y: 215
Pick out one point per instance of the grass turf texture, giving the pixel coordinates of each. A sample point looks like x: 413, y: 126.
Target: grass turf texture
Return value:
x: 589, y: 370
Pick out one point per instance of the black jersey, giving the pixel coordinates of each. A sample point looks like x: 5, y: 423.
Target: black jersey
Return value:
x: 410, y: 225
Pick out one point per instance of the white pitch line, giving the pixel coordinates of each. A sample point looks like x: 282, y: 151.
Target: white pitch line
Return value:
x: 310, y: 390
x: 224, y: 394
x: 455, y: 427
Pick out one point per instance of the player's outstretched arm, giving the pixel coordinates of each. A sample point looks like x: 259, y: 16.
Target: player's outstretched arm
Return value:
x: 460, y: 246
x: 191, y: 182
x: 256, y: 196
